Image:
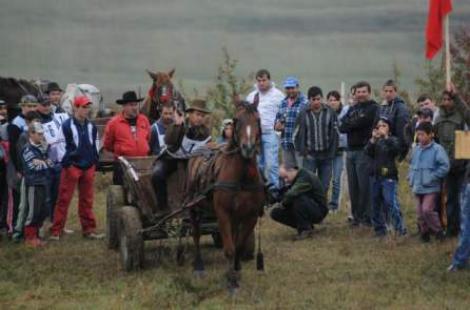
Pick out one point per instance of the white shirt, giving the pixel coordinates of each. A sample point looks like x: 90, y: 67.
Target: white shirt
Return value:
x: 269, y: 103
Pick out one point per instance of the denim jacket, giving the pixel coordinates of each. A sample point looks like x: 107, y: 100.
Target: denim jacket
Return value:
x: 429, y: 165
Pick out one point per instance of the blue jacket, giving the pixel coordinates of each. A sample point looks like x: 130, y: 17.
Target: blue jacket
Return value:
x: 37, y: 167
x: 81, y: 145
x: 429, y: 165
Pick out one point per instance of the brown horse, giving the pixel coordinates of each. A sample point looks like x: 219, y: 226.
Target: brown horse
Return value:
x: 238, y: 192
x: 162, y: 92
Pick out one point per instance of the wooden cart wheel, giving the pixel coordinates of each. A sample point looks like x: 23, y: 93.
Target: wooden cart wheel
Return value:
x: 114, y: 201
x: 131, y: 243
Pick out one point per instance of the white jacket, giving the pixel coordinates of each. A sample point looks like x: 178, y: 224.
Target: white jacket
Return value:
x: 269, y: 103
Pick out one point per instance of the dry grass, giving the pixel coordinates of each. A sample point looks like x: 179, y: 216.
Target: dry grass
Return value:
x: 339, y: 268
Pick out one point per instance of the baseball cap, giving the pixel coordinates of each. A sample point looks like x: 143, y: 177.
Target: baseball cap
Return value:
x: 291, y: 81
x: 28, y: 100
x: 81, y: 101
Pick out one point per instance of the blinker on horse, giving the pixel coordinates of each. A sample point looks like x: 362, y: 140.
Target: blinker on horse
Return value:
x: 162, y: 92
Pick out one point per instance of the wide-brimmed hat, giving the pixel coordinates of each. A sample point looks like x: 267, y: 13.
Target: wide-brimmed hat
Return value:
x: 198, y: 105
x: 129, y: 96
x: 53, y: 86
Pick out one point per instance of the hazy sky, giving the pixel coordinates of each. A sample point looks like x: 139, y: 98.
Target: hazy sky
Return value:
x: 110, y: 43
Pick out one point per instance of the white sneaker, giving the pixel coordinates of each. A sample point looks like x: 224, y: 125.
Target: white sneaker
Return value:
x: 54, y: 238
x: 68, y: 231
x: 94, y: 236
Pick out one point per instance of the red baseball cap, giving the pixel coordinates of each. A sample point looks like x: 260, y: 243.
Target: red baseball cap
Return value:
x: 81, y: 101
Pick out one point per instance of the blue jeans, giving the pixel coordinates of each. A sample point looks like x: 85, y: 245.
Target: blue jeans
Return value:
x: 462, y: 254
x: 268, y: 160
x: 385, y: 206
x: 321, y: 167
x: 338, y: 166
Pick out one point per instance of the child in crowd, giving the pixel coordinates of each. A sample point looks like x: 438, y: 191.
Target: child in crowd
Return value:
x: 36, y: 169
x: 384, y: 149
x: 30, y: 117
x: 429, y: 165
x: 226, y: 132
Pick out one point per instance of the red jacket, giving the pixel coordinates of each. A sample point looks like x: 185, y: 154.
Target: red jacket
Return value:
x: 119, y: 139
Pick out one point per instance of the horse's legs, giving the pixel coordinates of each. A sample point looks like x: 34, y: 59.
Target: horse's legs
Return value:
x: 244, y: 231
x: 225, y: 229
x: 198, y: 263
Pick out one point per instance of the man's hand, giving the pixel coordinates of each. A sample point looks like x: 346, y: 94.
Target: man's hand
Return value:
x: 451, y: 88
x: 375, y: 135
x: 279, y: 126
x: 382, y: 132
x: 179, y: 118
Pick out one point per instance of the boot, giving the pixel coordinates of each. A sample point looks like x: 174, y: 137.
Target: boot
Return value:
x: 31, y: 237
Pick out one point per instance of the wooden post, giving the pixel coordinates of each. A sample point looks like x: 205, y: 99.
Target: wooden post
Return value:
x: 447, y: 51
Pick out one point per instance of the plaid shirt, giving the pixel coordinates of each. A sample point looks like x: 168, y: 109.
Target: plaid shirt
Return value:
x: 288, y: 115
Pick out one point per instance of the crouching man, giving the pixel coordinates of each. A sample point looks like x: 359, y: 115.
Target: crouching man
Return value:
x: 304, y: 202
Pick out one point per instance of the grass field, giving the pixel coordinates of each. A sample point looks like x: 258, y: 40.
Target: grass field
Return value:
x: 340, y: 267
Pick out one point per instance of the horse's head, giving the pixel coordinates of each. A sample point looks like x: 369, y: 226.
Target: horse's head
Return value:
x: 247, y: 133
x: 162, y: 92
x: 162, y: 87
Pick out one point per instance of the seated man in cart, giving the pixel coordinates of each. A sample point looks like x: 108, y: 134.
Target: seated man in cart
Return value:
x: 182, y: 140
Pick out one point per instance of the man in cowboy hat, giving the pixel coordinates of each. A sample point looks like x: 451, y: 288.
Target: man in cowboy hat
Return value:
x: 54, y: 93
x: 182, y: 140
x: 128, y: 133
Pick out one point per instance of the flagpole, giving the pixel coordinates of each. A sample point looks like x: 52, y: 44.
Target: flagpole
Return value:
x: 343, y: 93
x: 447, y: 50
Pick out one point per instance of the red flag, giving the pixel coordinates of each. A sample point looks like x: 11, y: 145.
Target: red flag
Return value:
x: 438, y: 9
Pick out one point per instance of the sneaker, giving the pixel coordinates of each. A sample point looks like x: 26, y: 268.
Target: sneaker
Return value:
x: 93, y: 236
x: 454, y: 268
x: 355, y: 223
x: 304, y: 234
x: 380, y: 235
x: 425, y: 237
x: 35, y: 243
x: 441, y: 236
x: 68, y: 231
x: 54, y: 238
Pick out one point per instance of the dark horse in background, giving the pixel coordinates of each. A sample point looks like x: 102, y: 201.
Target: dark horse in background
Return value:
x: 237, y: 192
x: 11, y: 90
x: 162, y: 92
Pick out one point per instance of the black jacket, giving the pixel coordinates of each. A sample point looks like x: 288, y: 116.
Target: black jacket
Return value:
x: 358, y: 123
x: 383, y: 153
x: 398, y: 114
x: 306, y: 183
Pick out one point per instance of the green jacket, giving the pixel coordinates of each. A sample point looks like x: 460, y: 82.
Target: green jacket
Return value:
x: 305, y: 183
x: 448, y: 122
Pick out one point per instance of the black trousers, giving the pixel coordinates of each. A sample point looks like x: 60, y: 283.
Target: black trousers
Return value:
x: 3, y: 195
x: 162, y: 170
x: 454, y: 181
x: 301, y: 215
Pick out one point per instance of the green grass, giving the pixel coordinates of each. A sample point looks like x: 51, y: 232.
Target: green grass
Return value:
x: 339, y: 268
